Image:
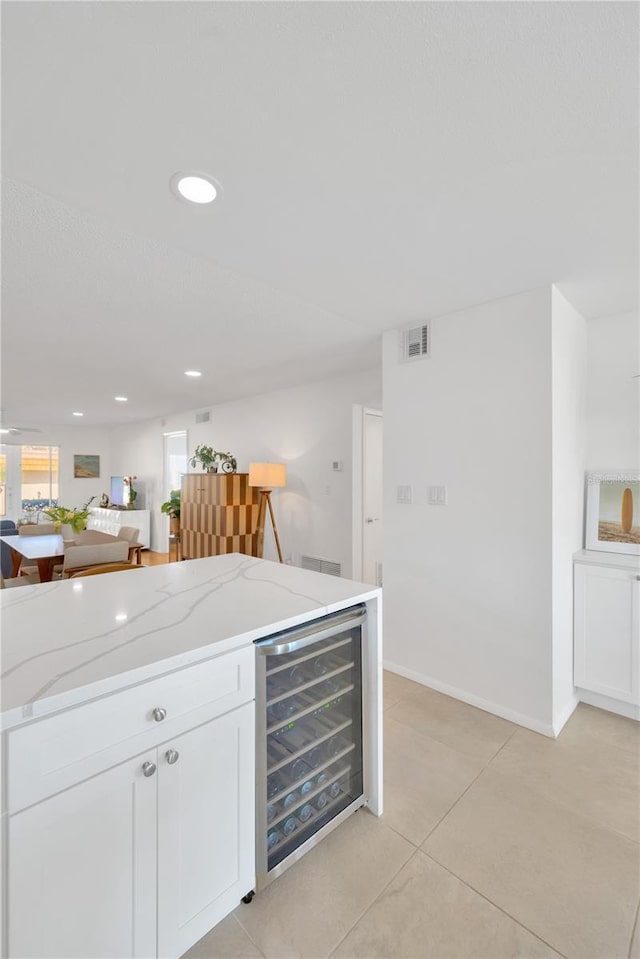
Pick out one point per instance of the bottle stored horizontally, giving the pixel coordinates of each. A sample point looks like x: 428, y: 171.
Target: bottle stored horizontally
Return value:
x: 306, y: 812
x: 273, y: 838
x: 289, y: 826
x: 321, y: 800
x: 290, y: 801
x: 272, y: 811
x: 334, y: 790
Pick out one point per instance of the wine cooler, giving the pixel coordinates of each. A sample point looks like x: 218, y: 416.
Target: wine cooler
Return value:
x: 309, y: 773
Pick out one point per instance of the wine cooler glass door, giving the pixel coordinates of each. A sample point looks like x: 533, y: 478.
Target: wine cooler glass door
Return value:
x: 309, y: 708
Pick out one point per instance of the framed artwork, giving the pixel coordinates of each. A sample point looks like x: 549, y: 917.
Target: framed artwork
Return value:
x: 86, y: 467
x: 613, y: 512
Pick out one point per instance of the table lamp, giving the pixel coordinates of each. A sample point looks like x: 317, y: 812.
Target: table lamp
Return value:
x: 267, y: 476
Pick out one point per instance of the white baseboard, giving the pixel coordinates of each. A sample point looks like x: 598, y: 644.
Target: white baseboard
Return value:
x: 565, y: 716
x: 612, y: 705
x: 514, y: 717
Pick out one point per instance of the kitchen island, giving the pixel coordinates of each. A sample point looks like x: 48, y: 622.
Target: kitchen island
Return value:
x: 128, y: 748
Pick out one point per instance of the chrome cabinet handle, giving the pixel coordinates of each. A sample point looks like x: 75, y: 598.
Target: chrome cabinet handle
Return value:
x: 172, y: 756
x: 148, y: 769
x: 159, y: 714
x: 372, y: 519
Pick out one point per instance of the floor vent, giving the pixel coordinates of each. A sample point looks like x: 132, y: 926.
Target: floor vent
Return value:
x: 321, y: 565
x: 415, y: 343
x: 204, y: 417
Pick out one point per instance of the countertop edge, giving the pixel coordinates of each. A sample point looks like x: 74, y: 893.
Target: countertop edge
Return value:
x: 80, y: 695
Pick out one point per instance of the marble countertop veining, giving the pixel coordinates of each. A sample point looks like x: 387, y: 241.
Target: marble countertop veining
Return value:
x: 72, y: 640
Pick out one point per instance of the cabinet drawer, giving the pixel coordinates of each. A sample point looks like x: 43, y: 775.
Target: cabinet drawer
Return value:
x: 57, y: 752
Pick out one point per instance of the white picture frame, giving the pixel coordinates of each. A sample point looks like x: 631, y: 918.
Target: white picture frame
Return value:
x: 607, y: 521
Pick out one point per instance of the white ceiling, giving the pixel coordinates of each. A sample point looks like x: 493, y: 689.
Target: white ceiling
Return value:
x: 381, y: 163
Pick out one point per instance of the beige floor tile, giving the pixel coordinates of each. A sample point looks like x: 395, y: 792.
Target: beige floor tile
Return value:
x: 422, y: 780
x: 588, y: 723
x: 427, y: 912
x: 469, y: 730
x: 309, y: 909
x: 585, y: 773
x: 227, y: 940
x: 634, y: 952
x: 396, y: 688
x: 573, y: 883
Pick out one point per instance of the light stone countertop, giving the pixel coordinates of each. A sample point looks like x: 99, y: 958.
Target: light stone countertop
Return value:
x: 69, y: 641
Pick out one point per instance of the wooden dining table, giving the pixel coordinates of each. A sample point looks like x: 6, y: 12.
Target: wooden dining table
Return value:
x: 48, y: 551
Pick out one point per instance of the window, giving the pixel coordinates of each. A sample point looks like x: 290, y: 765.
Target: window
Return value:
x: 175, y: 461
x: 29, y: 479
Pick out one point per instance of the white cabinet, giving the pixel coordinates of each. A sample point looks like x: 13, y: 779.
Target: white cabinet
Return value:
x: 112, y: 520
x: 607, y: 630
x: 82, y: 870
x: 206, y: 847
x: 144, y: 857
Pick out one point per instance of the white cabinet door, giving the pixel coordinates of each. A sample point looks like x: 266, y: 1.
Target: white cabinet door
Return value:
x: 607, y: 631
x: 206, y: 848
x: 82, y: 869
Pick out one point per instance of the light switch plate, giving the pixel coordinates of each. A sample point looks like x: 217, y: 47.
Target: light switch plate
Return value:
x: 405, y: 495
x: 437, y: 495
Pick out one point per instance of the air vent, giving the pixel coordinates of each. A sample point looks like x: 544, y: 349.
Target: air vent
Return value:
x: 321, y: 565
x: 416, y: 343
x: 204, y: 417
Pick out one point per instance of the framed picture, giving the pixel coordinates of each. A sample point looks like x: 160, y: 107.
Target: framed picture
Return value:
x: 86, y: 467
x: 613, y: 512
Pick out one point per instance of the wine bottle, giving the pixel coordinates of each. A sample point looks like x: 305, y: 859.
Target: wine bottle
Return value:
x: 289, y: 825
x: 334, y: 790
x: 306, y: 812
x: 290, y: 801
x: 271, y: 811
x: 321, y: 800
x: 273, y: 838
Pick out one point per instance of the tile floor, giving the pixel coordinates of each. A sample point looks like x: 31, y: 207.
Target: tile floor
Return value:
x: 495, y: 842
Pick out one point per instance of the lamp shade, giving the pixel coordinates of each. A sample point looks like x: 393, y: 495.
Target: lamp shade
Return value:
x: 268, y: 475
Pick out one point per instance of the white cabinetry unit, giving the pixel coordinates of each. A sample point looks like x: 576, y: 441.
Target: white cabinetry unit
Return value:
x: 112, y: 520
x: 82, y: 869
x: 145, y: 856
x: 607, y: 628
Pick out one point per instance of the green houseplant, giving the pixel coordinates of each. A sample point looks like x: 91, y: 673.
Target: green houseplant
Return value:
x: 75, y: 518
x: 172, y: 509
x: 211, y: 460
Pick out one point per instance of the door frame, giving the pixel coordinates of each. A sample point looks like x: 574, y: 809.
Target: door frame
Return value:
x: 358, y: 414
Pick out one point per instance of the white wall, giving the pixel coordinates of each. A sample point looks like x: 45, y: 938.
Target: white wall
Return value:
x: 307, y: 427
x: 72, y: 440
x: 468, y: 586
x: 569, y: 370
x: 613, y: 441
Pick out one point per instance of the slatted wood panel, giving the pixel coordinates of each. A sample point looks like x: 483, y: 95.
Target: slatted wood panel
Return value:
x: 218, y: 514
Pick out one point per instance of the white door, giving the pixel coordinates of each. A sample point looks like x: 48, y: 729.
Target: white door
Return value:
x: 206, y: 830
x: 82, y: 870
x: 372, y: 497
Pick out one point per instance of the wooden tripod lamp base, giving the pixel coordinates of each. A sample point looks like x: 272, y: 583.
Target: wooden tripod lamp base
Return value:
x: 267, y: 476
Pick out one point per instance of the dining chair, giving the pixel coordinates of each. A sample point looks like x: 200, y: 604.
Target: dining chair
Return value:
x: 131, y: 534
x: 7, y: 528
x: 82, y: 557
x: 15, y: 581
x: 37, y: 529
x: 105, y: 568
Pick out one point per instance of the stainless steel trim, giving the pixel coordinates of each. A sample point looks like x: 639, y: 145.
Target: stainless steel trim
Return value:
x: 263, y: 878
x: 296, y: 639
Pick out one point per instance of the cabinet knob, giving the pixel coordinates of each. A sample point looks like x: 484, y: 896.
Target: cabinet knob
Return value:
x: 148, y: 769
x: 172, y: 756
x: 159, y: 714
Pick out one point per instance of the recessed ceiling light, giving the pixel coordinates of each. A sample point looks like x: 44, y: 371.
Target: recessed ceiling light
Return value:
x: 194, y: 187
x: 78, y: 414
x: 192, y: 373
x: 121, y: 399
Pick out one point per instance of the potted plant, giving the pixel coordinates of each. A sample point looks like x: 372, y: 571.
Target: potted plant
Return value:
x: 74, y: 519
x: 206, y: 457
x: 172, y: 509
